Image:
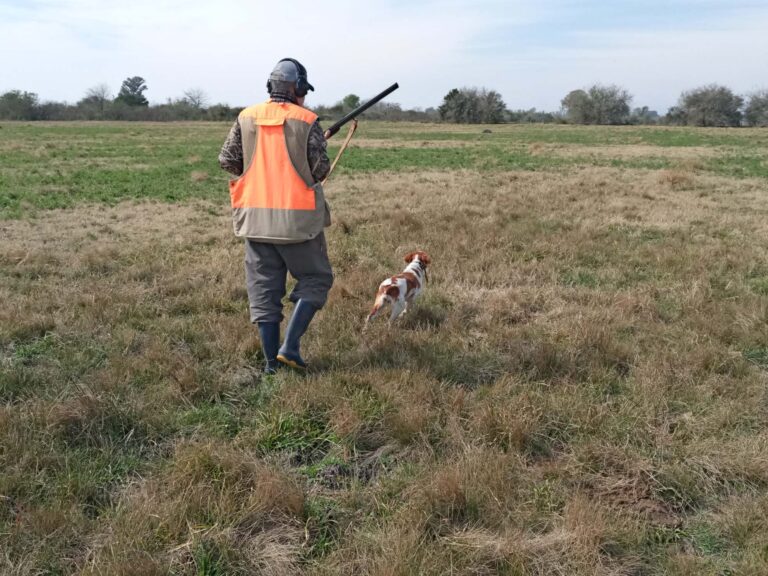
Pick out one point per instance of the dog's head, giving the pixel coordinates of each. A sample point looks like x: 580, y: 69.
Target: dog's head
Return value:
x: 419, y: 256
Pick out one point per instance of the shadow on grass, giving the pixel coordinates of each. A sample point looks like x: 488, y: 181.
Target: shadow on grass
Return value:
x: 427, y: 317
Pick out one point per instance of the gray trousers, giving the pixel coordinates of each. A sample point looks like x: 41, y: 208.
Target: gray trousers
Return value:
x: 266, y: 266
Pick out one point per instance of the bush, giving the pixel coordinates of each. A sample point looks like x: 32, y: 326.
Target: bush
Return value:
x: 18, y: 105
x: 598, y: 105
x: 473, y: 106
x: 710, y: 105
x: 756, y: 112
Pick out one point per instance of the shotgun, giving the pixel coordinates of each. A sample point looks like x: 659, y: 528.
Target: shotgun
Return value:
x: 359, y: 110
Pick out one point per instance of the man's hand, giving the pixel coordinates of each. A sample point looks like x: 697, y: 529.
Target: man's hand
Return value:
x: 327, y: 134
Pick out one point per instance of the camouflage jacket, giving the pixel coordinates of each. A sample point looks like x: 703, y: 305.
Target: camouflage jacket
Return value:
x: 231, y: 155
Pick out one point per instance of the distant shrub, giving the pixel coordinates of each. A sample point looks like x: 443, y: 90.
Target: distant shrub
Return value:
x: 756, y: 112
x: 711, y: 105
x: 597, y: 105
x: 473, y: 106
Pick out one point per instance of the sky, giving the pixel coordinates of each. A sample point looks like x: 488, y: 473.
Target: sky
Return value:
x: 533, y: 52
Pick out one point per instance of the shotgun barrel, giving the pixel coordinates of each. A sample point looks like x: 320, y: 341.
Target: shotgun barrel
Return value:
x: 360, y: 109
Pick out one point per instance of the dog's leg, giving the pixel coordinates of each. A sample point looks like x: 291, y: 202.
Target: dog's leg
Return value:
x: 397, y: 309
x: 408, y: 302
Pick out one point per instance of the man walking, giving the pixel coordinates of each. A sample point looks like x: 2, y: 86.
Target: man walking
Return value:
x: 277, y: 153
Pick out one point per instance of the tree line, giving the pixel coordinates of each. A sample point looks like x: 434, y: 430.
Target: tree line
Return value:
x: 710, y: 105
x: 98, y: 103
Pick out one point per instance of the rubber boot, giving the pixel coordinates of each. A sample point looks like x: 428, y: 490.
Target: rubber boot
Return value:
x: 289, y: 353
x: 270, y: 343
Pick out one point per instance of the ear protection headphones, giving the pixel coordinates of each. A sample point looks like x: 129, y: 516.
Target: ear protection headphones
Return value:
x: 302, y: 84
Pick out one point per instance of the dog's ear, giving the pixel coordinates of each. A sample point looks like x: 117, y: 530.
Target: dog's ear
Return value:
x: 424, y: 257
x: 409, y: 257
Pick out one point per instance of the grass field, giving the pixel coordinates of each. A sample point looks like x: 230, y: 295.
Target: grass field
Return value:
x: 582, y: 389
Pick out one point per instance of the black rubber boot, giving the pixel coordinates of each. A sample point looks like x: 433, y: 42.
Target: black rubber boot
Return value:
x: 270, y: 343
x: 289, y: 353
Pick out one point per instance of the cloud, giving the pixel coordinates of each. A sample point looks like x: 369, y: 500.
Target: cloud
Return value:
x: 60, y: 47
x: 532, y: 52
x: 654, y: 63
x: 656, y: 66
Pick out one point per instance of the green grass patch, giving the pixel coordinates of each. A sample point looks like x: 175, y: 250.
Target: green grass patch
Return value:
x: 217, y: 420
x: 560, y: 134
x: 305, y: 436
x: 584, y: 278
x: 209, y: 560
x: 757, y: 356
x: 322, y: 526
x: 51, y: 166
x: 739, y: 166
x: 29, y: 352
x: 759, y: 285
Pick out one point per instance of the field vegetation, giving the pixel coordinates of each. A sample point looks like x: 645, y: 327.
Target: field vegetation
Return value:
x: 582, y: 389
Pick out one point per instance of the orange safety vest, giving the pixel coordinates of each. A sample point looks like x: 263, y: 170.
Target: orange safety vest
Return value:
x: 276, y: 199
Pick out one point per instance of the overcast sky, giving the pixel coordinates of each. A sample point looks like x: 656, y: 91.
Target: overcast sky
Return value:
x: 531, y: 51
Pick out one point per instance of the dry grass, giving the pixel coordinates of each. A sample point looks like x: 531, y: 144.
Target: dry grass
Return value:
x: 624, y: 152
x: 677, y: 179
x: 402, y: 143
x: 580, y: 390
x: 257, y: 510
x: 198, y: 176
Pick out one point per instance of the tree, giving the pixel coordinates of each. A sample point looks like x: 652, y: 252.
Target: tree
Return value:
x: 453, y: 106
x: 756, y: 112
x: 578, y: 107
x: 385, y: 111
x: 675, y: 116
x: 492, y: 107
x: 532, y: 116
x: 610, y: 104
x: 711, y: 105
x: 598, y: 105
x: 350, y: 102
x: 472, y: 105
x: 196, y: 98
x: 221, y: 112
x: 644, y: 116
x: 18, y: 105
x: 100, y: 92
x: 96, y: 99
x: 132, y: 92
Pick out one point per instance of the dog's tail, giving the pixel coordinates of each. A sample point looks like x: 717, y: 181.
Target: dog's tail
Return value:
x: 382, y: 299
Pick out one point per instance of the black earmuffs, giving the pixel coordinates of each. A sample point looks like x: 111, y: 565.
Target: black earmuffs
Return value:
x: 302, y: 84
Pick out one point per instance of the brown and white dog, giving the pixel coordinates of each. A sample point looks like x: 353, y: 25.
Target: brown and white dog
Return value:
x: 400, y: 290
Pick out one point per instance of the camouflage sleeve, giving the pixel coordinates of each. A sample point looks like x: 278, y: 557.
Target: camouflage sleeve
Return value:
x: 316, y: 153
x: 231, y: 155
